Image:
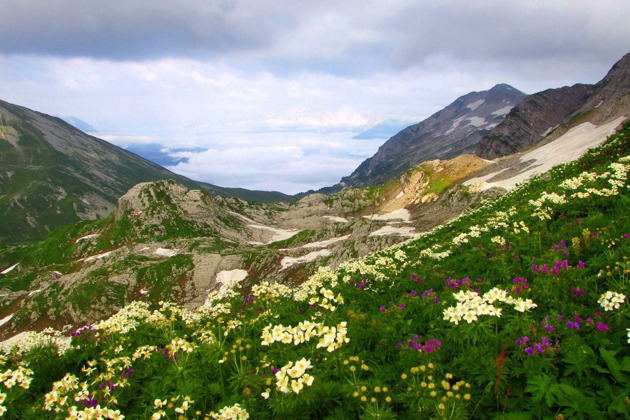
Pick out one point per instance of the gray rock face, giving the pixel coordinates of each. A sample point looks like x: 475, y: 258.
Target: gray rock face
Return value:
x: 453, y: 131
x: 532, y: 119
x: 542, y: 113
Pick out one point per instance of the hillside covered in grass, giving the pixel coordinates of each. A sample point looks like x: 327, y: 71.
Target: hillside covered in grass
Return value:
x: 516, y: 310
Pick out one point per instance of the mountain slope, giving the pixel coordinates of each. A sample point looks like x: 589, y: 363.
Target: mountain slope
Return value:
x: 517, y: 310
x: 553, y: 111
x: 52, y: 174
x: 453, y: 131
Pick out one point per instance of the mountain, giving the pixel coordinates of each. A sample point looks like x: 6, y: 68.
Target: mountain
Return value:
x: 515, y: 310
x: 553, y: 111
x: 383, y: 130
x: 79, y: 124
x: 453, y: 131
x: 52, y: 174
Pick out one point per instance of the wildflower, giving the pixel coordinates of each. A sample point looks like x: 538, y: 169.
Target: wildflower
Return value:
x: 611, y: 300
x: 602, y: 327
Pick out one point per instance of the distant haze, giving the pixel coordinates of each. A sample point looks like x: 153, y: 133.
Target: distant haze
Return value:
x: 269, y: 94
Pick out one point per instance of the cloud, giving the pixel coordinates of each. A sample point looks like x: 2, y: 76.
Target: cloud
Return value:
x: 267, y: 162
x: 293, y: 78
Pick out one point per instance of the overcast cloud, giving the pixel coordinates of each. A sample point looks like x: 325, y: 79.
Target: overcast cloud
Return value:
x: 275, y: 90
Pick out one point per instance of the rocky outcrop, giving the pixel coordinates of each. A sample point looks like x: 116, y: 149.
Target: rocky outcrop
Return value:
x: 532, y: 120
x: 553, y: 111
x: 453, y: 131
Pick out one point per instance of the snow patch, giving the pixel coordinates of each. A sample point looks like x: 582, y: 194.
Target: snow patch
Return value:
x: 34, y: 292
x: 6, y: 319
x: 570, y: 146
x: 455, y: 124
x: 231, y: 277
x: 311, y: 256
x: 164, y: 252
x: 279, y: 234
x: 8, y: 270
x: 336, y: 219
x: 396, y: 230
x: 475, y: 104
x: 477, y: 121
x: 400, y: 214
x: 83, y: 238
x: 502, y: 111
x: 96, y: 257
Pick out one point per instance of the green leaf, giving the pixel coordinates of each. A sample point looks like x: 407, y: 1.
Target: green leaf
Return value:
x: 613, y: 364
x: 541, y: 387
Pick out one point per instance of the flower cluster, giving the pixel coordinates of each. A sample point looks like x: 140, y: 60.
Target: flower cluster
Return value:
x: 177, y: 345
x: 163, y: 405
x: 611, y: 300
x: 294, y: 376
x: 21, y: 377
x: 535, y: 348
x: 327, y: 299
x: 470, y: 305
x: 233, y: 412
x: 428, y: 346
x: 330, y: 338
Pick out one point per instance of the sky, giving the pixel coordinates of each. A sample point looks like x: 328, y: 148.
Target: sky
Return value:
x: 267, y: 94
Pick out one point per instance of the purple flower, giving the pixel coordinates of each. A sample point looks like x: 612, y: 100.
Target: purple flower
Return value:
x: 529, y: 351
x: 602, y: 327
x: 539, y: 348
x: 519, y: 341
x: 401, y: 306
x: 413, y: 293
x: 581, y: 264
x: 382, y: 308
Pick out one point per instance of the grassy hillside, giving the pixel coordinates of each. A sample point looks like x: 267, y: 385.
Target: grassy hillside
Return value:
x: 517, y: 310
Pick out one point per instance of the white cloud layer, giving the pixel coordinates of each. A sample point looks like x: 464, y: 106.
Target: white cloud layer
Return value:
x: 276, y: 89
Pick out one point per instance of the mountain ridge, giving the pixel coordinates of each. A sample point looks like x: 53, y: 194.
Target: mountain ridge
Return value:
x: 454, y: 130
x: 542, y: 113
x: 52, y: 174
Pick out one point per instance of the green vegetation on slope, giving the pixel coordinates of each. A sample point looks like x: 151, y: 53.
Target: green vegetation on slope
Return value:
x: 517, y: 310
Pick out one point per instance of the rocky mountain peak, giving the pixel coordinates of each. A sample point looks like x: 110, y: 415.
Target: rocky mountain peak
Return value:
x: 542, y: 113
x: 448, y: 133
